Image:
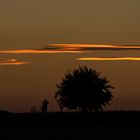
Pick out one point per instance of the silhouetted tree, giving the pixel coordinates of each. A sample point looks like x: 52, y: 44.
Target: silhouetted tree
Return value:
x: 83, y: 89
x: 44, y: 107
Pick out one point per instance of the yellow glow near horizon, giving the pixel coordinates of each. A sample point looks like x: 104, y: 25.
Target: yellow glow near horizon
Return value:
x: 109, y: 59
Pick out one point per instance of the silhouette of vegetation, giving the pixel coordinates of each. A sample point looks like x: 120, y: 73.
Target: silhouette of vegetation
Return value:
x: 34, y: 109
x: 4, y: 112
x: 44, y: 107
x: 83, y: 89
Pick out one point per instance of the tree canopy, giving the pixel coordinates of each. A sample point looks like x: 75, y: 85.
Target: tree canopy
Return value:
x: 83, y: 89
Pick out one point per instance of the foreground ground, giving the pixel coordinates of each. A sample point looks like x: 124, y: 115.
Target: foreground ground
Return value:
x: 105, y: 125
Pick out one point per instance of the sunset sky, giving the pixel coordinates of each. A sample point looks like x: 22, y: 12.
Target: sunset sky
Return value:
x: 41, y: 39
x: 30, y: 24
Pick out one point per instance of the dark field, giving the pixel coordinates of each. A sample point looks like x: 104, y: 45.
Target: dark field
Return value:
x: 105, y: 125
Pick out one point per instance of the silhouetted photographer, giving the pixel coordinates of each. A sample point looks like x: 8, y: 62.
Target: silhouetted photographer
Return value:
x: 44, y: 107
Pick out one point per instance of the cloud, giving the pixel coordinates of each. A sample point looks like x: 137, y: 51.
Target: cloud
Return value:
x: 36, y: 51
x: 93, y: 47
x: 70, y: 48
x: 12, y: 62
x: 109, y: 59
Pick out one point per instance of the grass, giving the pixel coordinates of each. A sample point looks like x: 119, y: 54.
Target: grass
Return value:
x: 102, y: 125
